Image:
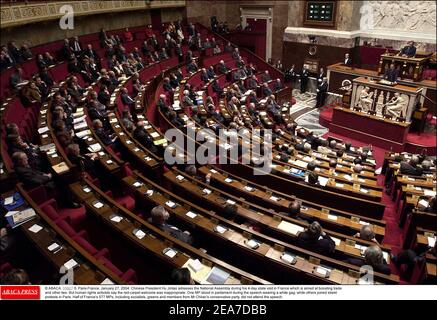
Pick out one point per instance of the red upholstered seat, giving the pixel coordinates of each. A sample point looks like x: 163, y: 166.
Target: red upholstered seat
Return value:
x: 74, y: 216
x: 86, y: 245
x: 125, y: 200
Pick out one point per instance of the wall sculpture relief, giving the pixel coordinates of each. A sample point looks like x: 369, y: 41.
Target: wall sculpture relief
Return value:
x: 415, y: 16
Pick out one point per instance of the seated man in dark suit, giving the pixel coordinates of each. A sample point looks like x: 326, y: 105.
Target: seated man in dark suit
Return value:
x: 105, y: 137
x: 278, y: 85
x: 211, y: 73
x: 373, y: 257
x: 411, y: 168
x: 252, y: 83
x: 265, y: 77
x: 126, y: 99
x: 216, y: 88
x: 409, y: 50
x: 294, y: 211
x: 191, y: 67
x: 221, y: 68
x: 159, y: 217
x: 141, y: 135
x: 204, y: 76
x: 315, y: 239
x: 266, y: 90
x: 32, y: 178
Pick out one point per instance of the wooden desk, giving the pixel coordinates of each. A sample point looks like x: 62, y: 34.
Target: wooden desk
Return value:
x: 374, y: 130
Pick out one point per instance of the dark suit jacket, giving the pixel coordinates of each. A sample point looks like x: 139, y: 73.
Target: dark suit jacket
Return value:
x: 392, y: 75
x: 408, y: 169
x: 30, y: 177
x: 176, y: 233
x: 409, y: 51
x: 382, y: 268
x: 325, y: 245
x: 103, y: 136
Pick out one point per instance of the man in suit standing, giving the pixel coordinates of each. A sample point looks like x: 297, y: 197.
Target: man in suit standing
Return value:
x: 304, y: 79
x: 322, y: 89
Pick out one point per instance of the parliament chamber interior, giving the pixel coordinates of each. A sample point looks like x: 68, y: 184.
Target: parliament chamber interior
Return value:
x: 337, y: 98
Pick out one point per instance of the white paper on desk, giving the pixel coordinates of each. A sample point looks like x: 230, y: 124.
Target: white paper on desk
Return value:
x: 300, y: 163
x: 364, y: 190
x: 11, y: 213
x: 424, y: 203
x: 274, y: 198
x: 339, y: 185
x: 290, y: 227
x: 337, y: 241
x: 83, y: 133
x: 86, y: 190
x: 332, y: 217
x: 288, y: 257
x: 8, y: 201
x: 98, y: 205
x: 154, y: 134
x: 35, y: 228
x: 347, y: 177
x: 113, y: 120
x: 80, y: 125
x: 250, y: 189
x: 70, y: 264
x: 43, y: 130
x: 180, y: 178
x: 213, y: 171
x: 191, y: 214
x: 96, y: 147
x: 128, y: 142
x: 195, y: 265
x: 107, y: 282
x: 79, y: 119
x: 149, y: 193
x: 230, y: 201
x: 323, y: 271
x: 429, y: 193
x: 220, y: 229
x: 431, y: 242
x: 364, y: 223
x: 252, y: 244
x: 169, y: 252
x: 217, y: 276
x: 323, y: 181
x: 116, y: 219
x: 206, y: 191
x: 170, y: 204
x: 54, y: 246
x: 139, y: 234
x: 137, y: 184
